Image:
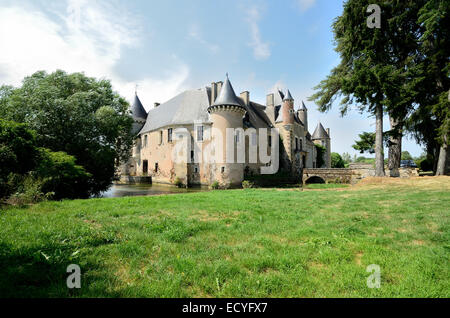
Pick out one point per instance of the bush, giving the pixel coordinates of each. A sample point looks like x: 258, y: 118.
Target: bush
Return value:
x: 178, y: 182
x: 247, y: 184
x: 215, y: 185
x: 18, y: 154
x: 61, y: 175
x: 28, y: 191
x: 337, y: 161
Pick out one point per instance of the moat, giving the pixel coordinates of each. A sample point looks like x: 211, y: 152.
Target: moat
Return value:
x: 124, y: 190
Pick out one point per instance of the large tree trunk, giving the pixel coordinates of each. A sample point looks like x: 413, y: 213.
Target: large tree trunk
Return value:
x: 442, y: 165
x: 379, y: 152
x: 395, y: 148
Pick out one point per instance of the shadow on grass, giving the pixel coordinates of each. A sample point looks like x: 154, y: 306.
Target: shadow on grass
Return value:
x: 41, y: 273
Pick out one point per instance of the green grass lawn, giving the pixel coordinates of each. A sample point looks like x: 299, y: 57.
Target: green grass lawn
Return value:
x: 234, y: 243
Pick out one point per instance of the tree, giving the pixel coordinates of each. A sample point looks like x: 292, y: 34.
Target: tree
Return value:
x: 406, y: 156
x: 76, y: 114
x: 377, y: 70
x: 337, y: 161
x: 61, y: 176
x: 366, y: 143
x: 347, y: 158
x: 435, y: 17
x: 18, y: 153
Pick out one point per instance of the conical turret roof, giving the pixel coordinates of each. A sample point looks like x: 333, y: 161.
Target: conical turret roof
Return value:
x: 227, y: 96
x: 303, y: 106
x: 320, y: 132
x: 137, y: 110
x: 288, y: 96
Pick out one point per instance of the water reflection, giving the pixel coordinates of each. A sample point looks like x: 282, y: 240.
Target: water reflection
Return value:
x: 124, y: 190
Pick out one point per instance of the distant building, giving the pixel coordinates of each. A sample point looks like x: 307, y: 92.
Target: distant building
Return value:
x: 205, y: 114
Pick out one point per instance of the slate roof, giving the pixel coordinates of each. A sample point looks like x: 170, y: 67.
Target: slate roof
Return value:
x: 319, y: 132
x: 185, y: 108
x: 288, y: 96
x: 227, y: 96
x: 137, y: 110
x: 303, y: 106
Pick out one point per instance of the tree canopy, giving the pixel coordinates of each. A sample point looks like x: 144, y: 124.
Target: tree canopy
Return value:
x: 76, y: 114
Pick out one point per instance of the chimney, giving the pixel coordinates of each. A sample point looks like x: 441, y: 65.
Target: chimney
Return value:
x: 219, y: 87
x: 156, y: 104
x: 269, y: 100
x: 328, y: 132
x: 245, y: 97
x: 270, y: 108
x: 214, y: 93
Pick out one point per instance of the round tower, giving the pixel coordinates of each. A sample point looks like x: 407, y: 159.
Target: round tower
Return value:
x: 322, y: 137
x: 288, y: 109
x: 138, y: 113
x: 303, y: 115
x: 226, y: 112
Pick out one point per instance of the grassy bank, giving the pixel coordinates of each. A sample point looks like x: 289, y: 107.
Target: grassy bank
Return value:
x: 235, y: 243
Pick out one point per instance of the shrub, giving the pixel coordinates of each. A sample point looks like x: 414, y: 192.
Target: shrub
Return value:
x: 337, y: 161
x: 61, y: 175
x: 215, y: 185
x: 178, y: 182
x: 247, y: 184
x: 29, y: 191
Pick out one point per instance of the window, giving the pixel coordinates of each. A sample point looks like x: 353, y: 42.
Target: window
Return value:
x: 199, y: 133
x: 296, y: 144
x: 195, y: 169
x: 222, y: 170
x: 270, y: 141
x: 145, y: 140
x: 192, y: 155
x: 156, y: 167
x: 301, y: 144
x: 160, y: 137
x: 169, y: 135
x: 145, y: 167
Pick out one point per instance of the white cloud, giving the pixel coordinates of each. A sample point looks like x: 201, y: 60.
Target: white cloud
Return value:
x: 261, y: 49
x: 88, y: 37
x: 306, y: 4
x: 195, y: 34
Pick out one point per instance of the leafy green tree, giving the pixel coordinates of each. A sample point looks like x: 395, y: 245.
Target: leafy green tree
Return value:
x: 366, y: 143
x: 377, y: 70
x: 337, y: 161
x: 347, y: 158
x: 18, y: 153
x: 61, y: 176
x: 435, y: 87
x: 76, y: 114
x: 406, y: 155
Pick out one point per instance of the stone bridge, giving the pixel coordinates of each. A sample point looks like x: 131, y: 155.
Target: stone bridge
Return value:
x: 330, y: 175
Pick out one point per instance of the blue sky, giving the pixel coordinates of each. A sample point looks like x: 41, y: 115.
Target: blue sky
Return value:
x: 169, y: 46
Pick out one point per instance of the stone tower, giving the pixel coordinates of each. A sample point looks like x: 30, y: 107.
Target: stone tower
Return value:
x: 227, y: 111
x: 302, y: 114
x: 287, y: 109
x: 322, y: 137
x: 139, y: 116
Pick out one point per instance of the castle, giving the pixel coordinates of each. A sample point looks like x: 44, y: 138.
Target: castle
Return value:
x: 203, y: 118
